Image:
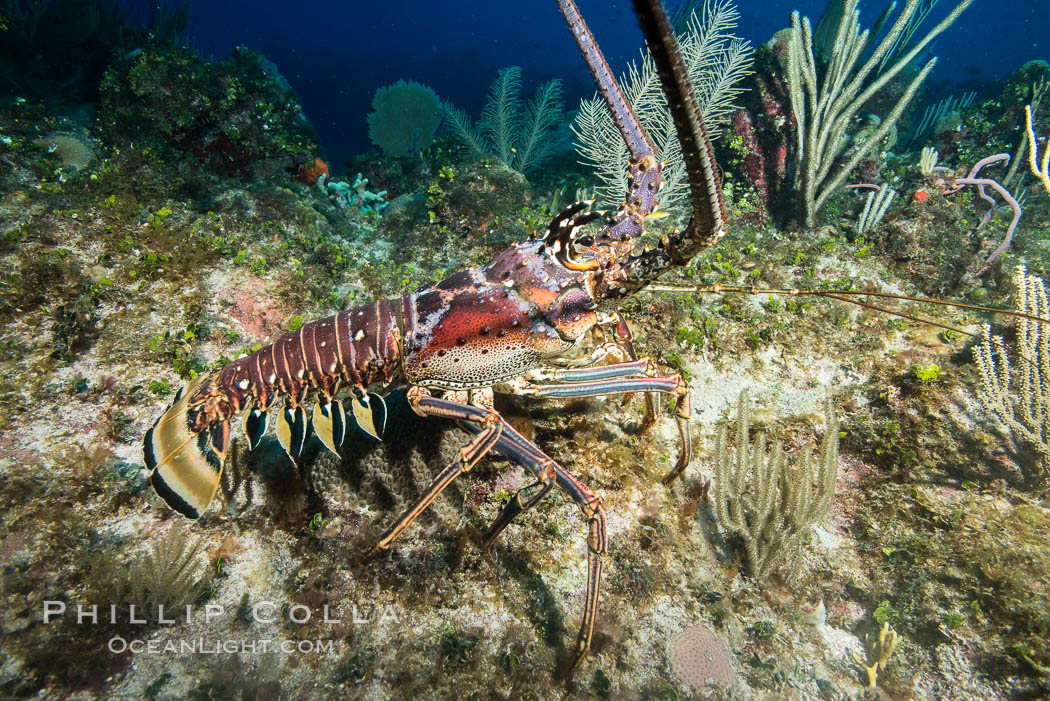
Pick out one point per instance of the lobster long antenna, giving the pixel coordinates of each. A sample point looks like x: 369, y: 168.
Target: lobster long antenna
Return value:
x: 627, y: 123
x: 903, y: 315
x: 842, y: 296
x: 707, y: 223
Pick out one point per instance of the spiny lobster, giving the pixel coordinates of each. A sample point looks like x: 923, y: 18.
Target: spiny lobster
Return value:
x: 538, y: 319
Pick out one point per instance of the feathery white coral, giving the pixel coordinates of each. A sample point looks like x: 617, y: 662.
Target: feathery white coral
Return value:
x: 716, y: 61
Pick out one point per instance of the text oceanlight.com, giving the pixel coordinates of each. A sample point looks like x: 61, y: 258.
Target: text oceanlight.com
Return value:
x: 118, y: 645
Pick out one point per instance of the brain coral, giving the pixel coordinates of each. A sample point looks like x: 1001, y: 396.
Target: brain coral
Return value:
x: 698, y: 658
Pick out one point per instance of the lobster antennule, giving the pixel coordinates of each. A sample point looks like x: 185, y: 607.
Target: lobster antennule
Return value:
x: 185, y: 465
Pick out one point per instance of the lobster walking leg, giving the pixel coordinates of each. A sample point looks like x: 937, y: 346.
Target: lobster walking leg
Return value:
x: 525, y: 499
x: 519, y: 449
x: 597, y: 545
x: 632, y: 368
x: 491, y: 430
x: 626, y: 340
x: 469, y: 455
x: 522, y: 451
x: 673, y: 384
x: 526, y: 453
x: 618, y: 378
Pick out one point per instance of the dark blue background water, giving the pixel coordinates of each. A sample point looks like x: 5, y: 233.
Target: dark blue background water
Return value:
x: 335, y: 54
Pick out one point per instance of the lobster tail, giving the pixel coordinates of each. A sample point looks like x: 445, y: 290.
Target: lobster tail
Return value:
x: 185, y: 449
x: 185, y: 464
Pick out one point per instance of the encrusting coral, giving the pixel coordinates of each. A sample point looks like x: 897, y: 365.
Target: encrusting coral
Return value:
x: 698, y: 657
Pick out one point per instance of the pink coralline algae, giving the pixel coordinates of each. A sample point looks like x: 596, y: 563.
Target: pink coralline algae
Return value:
x: 256, y: 313
x: 764, y: 131
x: 754, y: 162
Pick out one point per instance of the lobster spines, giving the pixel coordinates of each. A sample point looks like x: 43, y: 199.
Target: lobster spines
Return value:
x: 632, y: 271
x: 185, y: 459
x: 644, y: 179
x: 638, y: 142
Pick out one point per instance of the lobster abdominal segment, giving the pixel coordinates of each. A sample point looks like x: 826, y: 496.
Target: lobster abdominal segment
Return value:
x: 357, y: 348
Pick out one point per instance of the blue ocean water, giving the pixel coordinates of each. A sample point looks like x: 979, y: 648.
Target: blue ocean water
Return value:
x: 335, y: 54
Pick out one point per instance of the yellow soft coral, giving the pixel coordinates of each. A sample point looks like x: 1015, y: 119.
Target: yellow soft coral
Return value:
x: 1041, y: 170
x: 879, y: 652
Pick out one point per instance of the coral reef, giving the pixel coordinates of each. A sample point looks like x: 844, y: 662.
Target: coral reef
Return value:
x: 165, y: 578
x: 1040, y: 168
x: 236, y: 117
x: 189, y: 239
x: 344, y: 194
x: 762, y: 133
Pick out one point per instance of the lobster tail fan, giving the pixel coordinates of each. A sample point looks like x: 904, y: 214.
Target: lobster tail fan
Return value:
x: 369, y: 411
x: 185, y: 466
